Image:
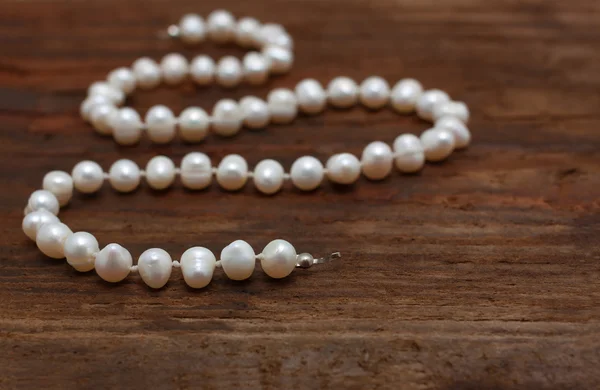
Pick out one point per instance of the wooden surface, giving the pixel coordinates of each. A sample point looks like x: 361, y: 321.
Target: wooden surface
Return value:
x: 482, y: 272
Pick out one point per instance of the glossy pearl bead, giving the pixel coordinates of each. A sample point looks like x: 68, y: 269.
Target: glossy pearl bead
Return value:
x: 247, y: 32
x: 43, y: 200
x: 307, y: 173
x: 113, y: 263
x: 374, y: 92
x: 238, y: 260
x: 174, y: 68
x: 255, y: 68
x: 87, y: 177
x: 462, y: 135
x: 35, y: 219
x: 51, y: 239
x: 114, y: 95
x: 86, y: 106
x: 155, y: 266
x: 268, y: 176
x: 80, y: 250
x: 428, y: 100
x: 280, y: 59
x: 193, y: 124
x: 278, y: 259
x: 101, y: 117
x: 197, y: 266
x: 437, y: 143
x: 127, y: 126
x: 202, y: 70
x: 232, y: 172
x: 458, y: 110
x: 60, y: 184
x: 196, y: 171
x: 192, y: 29
x: 255, y: 112
x: 342, y: 92
x: 311, y: 96
x: 147, y: 73
x: 283, y: 105
x: 160, y: 172
x: 160, y: 123
x: 227, y: 118
x: 229, y: 72
x: 221, y: 26
x: 377, y: 160
x: 405, y: 95
x: 409, y: 154
x: 122, y: 79
x: 343, y: 168
x: 124, y: 175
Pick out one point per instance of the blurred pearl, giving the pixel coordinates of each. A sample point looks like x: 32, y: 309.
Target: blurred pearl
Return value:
x: 247, y: 32
x: 307, y: 173
x: 342, y: 92
x: 405, y: 95
x: 437, y: 143
x: 255, y: 112
x: 229, y: 71
x: 232, y: 172
x: 221, y: 26
x: 90, y: 102
x: 87, y: 177
x: 272, y: 34
x: 202, y: 70
x: 43, y: 199
x: 174, y: 68
x: 377, y: 160
x: 51, y: 239
x: 458, y: 110
x: 278, y: 259
x: 102, y: 88
x: 80, y: 250
x: 462, y: 135
x: 268, y: 176
x: 374, y: 92
x: 127, y: 126
x: 408, y: 153
x: 124, y: 175
x: 428, y: 100
x: 283, y: 105
x: 101, y: 117
x: 122, y: 79
x: 192, y: 29
x: 280, y: 59
x: 35, y: 219
x: 147, y: 73
x: 238, y: 260
x: 193, y: 124
x: 256, y: 68
x: 196, y: 171
x: 60, y: 184
x: 155, y: 266
x: 160, y: 172
x: 113, y: 263
x: 343, y: 168
x: 197, y: 266
x: 227, y: 118
x: 311, y: 96
x: 160, y: 123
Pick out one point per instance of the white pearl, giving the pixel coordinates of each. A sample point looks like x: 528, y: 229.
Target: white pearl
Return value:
x: 343, y: 168
x: 87, y: 177
x: 280, y: 59
x: 458, y: 110
x: 160, y: 172
x: 232, y: 172
x: 255, y: 112
x: 462, y: 135
x: 342, y: 92
x: 268, y: 176
x: 202, y: 70
x: 197, y: 266
x: 247, y: 32
x: 374, y: 92
x: 278, y: 259
x: 311, y: 96
x: 307, y: 173
x: 227, y: 118
x: 196, y: 171
x: 113, y: 263
x: 160, y: 123
x: 229, y: 71
x: 283, y: 105
x: 127, y: 126
x: 272, y: 34
x: 35, y: 219
x: 51, y: 237
x: 101, y: 117
x: 147, y: 73
x: 255, y: 68
x: 43, y: 199
x: 174, y: 68
x: 122, y: 79
x: 124, y: 175
x: 377, y: 160
x: 60, y: 184
x: 102, y: 88
x: 193, y: 124
x: 238, y: 260
x: 80, y: 250
x: 405, y: 95
x: 155, y: 266
x: 221, y: 26
x: 437, y: 143
x: 408, y: 153
x: 192, y: 29
x: 428, y: 100
x: 90, y: 102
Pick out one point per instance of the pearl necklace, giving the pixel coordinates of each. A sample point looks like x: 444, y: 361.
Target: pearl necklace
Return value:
x: 278, y: 259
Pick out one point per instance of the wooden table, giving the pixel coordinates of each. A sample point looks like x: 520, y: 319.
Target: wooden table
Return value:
x: 481, y: 272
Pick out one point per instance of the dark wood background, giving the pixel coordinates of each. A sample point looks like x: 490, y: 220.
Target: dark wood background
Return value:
x: 481, y: 272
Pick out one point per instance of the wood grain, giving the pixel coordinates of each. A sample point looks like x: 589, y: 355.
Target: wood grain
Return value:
x: 479, y: 273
